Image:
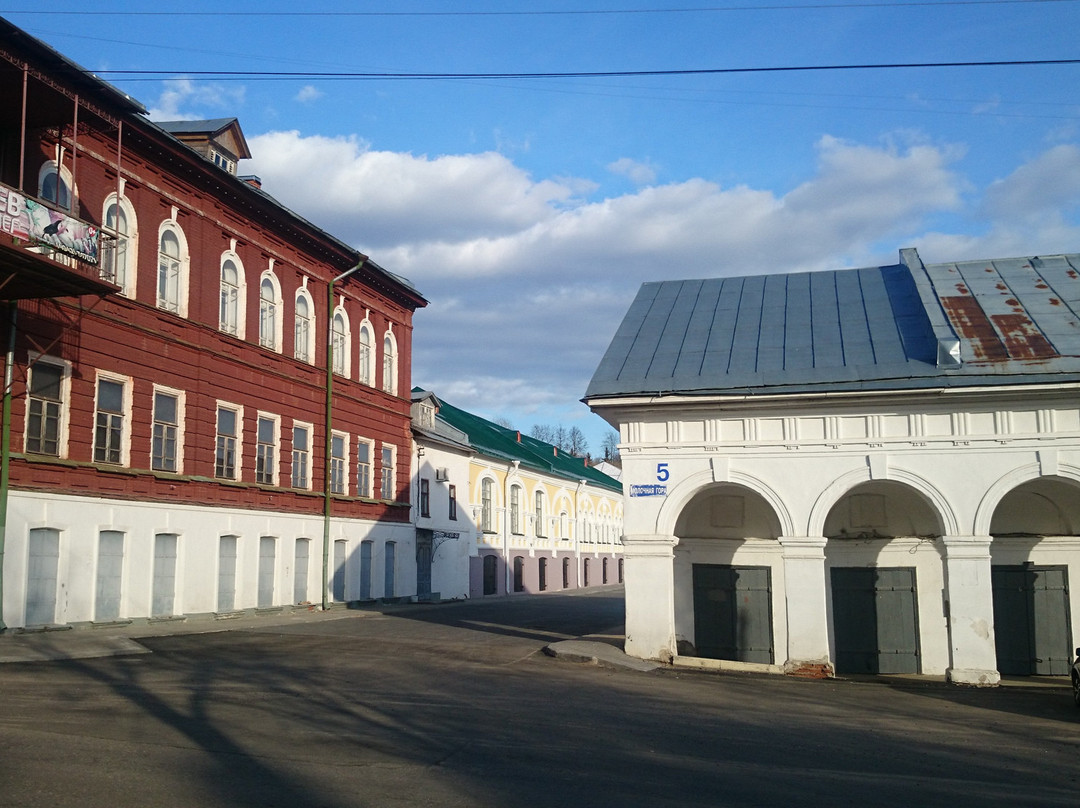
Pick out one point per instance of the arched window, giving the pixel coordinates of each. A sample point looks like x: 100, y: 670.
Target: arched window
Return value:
x: 305, y: 326
x: 118, y: 252
x: 172, y: 270
x: 540, y: 531
x: 54, y: 185
x: 269, y: 322
x: 363, y: 357
x: 515, y: 509
x: 339, y: 344
x: 487, y: 520
x: 230, y: 297
x: 389, y: 364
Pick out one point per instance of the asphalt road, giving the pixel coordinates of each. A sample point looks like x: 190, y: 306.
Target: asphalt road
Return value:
x: 455, y: 705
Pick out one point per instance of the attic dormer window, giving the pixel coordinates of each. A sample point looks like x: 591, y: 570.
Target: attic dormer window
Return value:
x: 223, y: 161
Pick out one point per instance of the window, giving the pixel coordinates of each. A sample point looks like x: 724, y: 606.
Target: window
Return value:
x: 515, y: 509
x: 110, y: 424
x: 540, y: 514
x: 118, y: 253
x: 228, y: 442
x: 222, y: 161
x: 266, y: 439
x: 165, y: 444
x: 339, y: 344
x: 389, y: 365
x: 386, y: 489
x: 172, y: 268
x: 230, y: 297
x: 54, y: 184
x: 453, y: 502
x: 269, y: 327
x: 364, y: 451
x: 304, y: 327
x: 363, y: 358
x: 45, y: 409
x: 425, y: 497
x: 486, y: 514
x: 338, y: 448
x: 301, y: 456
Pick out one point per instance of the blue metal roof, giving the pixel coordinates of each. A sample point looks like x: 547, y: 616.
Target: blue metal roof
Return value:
x: 902, y: 326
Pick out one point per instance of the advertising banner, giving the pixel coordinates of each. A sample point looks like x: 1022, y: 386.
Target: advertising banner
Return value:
x: 32, y: 221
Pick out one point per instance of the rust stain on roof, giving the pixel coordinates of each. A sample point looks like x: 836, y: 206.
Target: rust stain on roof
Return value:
x: 971, y: 321
x: 1023, y: 340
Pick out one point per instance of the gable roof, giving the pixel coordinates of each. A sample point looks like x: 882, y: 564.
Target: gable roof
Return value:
x: 903, y: 326
x: 499, y: 442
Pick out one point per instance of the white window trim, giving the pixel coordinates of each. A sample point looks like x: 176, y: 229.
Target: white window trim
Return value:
x: 517, y: 526
x: 181, y: 408
x: 241, y: 291
x: 539, y: 528
x: 125, y: 429
x: 275, y: 339
x: 275, y: 473
x: 185, y: 264
x: 239, y: 469
x: 346, y: 360
x: 312, y: 325
x: 370, y: 492
x: 390, y: 362
x: 55, y: 165
x: 33, y: 358
x: 308, y: 463
x: 493, y: 527
x: 367, y: 378
x: 130, y: 282
x: 393, y: 471
x: 345, y: 473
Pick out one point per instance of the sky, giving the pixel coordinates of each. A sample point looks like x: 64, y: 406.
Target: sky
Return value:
x: 529, y: 208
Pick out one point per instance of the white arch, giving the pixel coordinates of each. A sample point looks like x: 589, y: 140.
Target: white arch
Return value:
x: 1007, y: 482
x: 839, y: 487
x: 681, y: 495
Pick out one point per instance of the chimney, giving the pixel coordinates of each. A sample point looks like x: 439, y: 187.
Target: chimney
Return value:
x: 519, y: 436
x: 252, y: 180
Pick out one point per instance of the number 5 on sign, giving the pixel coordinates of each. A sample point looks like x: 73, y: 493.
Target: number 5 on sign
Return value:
x: 662, y: 472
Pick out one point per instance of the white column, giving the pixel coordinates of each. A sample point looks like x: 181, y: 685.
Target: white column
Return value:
x: 970, y: 611
x: 807, y: 620
x: 648, y: 574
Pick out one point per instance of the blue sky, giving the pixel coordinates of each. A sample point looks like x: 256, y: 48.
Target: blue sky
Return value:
x: 528, y: 211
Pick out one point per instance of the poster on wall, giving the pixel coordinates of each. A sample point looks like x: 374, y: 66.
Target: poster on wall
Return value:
x: 26, y: 219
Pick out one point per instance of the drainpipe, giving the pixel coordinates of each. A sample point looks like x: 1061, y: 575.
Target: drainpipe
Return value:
x: 329, y: 413
x: 5, y: 447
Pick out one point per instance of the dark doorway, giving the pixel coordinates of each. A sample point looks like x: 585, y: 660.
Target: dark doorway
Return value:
x: 519, y: 574
x: 423, y: 561
x: 733, y: 613
x: 491, y: 580
x: 1031, y: 620
x: 875, y: 620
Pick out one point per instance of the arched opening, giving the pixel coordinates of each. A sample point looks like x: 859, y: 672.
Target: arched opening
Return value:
x: 882, y: 551
x: 1034, y: 530
x: 724, y: 566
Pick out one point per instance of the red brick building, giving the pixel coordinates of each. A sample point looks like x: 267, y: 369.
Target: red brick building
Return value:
x: 174, y: 338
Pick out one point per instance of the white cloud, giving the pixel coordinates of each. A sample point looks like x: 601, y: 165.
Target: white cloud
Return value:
x: 528, y: 279
x: 185, y: 100
x: 308, y: 94
x: 637, y: 172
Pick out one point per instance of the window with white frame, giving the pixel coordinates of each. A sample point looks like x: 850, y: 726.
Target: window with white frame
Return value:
x: 364, y: 458
x: 166, y: 440
x: 339, y: 446
x: 386, y: 489
x: 425, y: 497
x: 540, y: 531
x: 487, y: 514
x: 172, y: 269
x: 266, y: 453
x: 304, y: 327
x: 452, y: 506
x: 301, y: 455
x: 227, y: 452
x: 515, y: 509
x: 110, y: 421
x: 339, y: 343
x: 118, y: 252
x: 389, y: 364
x: 269, y: 306
x: 363, y: 356
x: 230, y: 297
x: 54, y: 184
x: 46, y: 409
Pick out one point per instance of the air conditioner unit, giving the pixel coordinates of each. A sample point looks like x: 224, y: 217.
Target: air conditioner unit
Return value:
x: 442, y: 475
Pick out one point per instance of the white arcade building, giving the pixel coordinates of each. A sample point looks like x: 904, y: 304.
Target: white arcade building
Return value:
x: 863, y: 471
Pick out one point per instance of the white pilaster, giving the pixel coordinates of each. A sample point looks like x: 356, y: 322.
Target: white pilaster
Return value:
x: 807, y: 620
x: 970, y: 611
x: 648, y: 575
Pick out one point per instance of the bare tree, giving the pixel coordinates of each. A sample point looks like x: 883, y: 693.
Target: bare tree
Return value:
x: 576, y: 444
x: 542, y: 432
x: 611, y: 449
